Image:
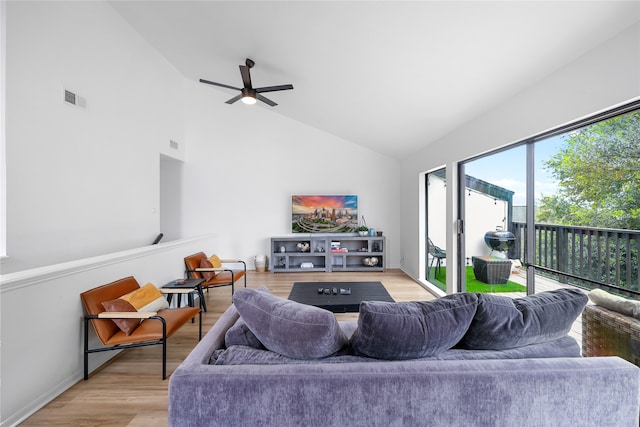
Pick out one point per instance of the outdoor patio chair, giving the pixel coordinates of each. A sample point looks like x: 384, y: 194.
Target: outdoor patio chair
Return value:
x: 437, y: 255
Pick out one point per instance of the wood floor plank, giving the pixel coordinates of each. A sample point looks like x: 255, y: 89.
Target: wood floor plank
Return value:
x: 128, y: 391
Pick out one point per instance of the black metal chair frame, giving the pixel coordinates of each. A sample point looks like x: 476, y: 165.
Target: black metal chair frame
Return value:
x: 231, y: 283
x: 162, y: 341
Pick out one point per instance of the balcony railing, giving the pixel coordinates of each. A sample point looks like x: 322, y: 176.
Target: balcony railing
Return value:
x: 584, y: 256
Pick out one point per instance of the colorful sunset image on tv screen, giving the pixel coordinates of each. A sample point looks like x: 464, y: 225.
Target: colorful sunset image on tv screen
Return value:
x: 324, y: 214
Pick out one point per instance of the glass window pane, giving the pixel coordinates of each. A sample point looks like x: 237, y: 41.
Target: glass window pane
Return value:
x: 588, y: 205
x: 494, y: 216
x: 436, y: 227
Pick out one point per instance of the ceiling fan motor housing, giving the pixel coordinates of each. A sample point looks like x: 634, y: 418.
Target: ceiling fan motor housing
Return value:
x: 248, y: 92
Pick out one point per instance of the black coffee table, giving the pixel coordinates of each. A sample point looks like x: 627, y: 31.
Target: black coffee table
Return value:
x: 307, y: 293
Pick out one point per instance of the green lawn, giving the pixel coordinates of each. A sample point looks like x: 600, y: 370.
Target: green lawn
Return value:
x: 473, y: 284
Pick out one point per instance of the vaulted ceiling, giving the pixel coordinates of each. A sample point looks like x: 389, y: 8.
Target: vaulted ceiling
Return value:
x: 392, y: 76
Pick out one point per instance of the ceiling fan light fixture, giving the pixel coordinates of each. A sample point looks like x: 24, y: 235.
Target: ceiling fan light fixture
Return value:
x: 249, y: 96
x: 249, y: 100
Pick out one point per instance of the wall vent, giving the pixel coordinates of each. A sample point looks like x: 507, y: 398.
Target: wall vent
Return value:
x: 70, y: 98
x: 173, y: 144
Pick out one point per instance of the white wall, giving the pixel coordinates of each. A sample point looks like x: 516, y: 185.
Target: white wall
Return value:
x: 486, y: 214
x: 83, y: 182
x: 243, y: 164
x: 483, y: 214
x: 606, y: 76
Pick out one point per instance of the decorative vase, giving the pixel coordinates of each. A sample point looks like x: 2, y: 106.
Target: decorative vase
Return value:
x: 370, y: 261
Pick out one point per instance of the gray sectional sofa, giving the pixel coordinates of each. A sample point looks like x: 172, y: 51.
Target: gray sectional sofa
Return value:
x: 385, y: 371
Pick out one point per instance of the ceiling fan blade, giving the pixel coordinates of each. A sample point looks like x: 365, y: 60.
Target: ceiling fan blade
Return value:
x: 266, y: 100
x: 234, y: 99
x: 246, y: 77
x: 273, y: 88
x: 219, y: 84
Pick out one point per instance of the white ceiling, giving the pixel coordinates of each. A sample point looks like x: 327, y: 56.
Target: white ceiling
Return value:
x: 391, y: 76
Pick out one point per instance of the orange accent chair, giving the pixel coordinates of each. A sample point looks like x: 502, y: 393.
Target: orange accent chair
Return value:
x: 151, y: 328
x: 217, y: 276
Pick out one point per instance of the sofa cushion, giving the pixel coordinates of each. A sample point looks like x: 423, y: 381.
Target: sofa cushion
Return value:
x: 289, y: 328
x: 119, y: 305
x: 240, y: 334
x: 501, y: 322
x: 146, y: 298
x: 243, y: 355
x: 616, y: 303
x: 208, y: 275
x: 215, y: 261
x: 411, y: 330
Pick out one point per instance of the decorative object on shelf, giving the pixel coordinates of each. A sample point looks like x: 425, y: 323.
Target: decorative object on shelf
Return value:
x: 303, y: 246
x: 362, y: 229
x: 372, y: 232
x: 283, y: 249
x: 370, y: 261
x: 320, y: 249
x: 306, y: 265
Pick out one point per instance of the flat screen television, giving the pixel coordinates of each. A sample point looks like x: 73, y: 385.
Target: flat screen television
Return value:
x: 324, y: 214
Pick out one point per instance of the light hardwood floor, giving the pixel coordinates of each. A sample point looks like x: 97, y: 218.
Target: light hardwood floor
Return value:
x: 128, y: 390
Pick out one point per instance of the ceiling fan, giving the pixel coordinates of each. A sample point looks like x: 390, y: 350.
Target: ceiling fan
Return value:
x: 248, y: 93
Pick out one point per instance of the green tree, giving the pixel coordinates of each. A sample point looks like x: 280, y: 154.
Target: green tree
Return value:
x: 598, y: 174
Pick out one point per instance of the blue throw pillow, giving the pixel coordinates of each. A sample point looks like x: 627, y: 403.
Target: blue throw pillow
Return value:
x: 411, y: 330
x: 289, y: 328
x: 502, y: 323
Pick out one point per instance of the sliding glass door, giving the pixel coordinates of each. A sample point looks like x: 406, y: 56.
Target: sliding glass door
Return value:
x: 565, y: 205
x: 436, y: 228
x: 493, y: 199
x: 587, y: 228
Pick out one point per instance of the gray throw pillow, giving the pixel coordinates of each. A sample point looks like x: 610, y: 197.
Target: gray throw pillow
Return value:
x: 411, y: 330
x: 502, y: 323
x: 289, y: 328
x: 240, y: 334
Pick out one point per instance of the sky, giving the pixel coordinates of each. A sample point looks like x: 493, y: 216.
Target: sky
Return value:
x: 508, y: 169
